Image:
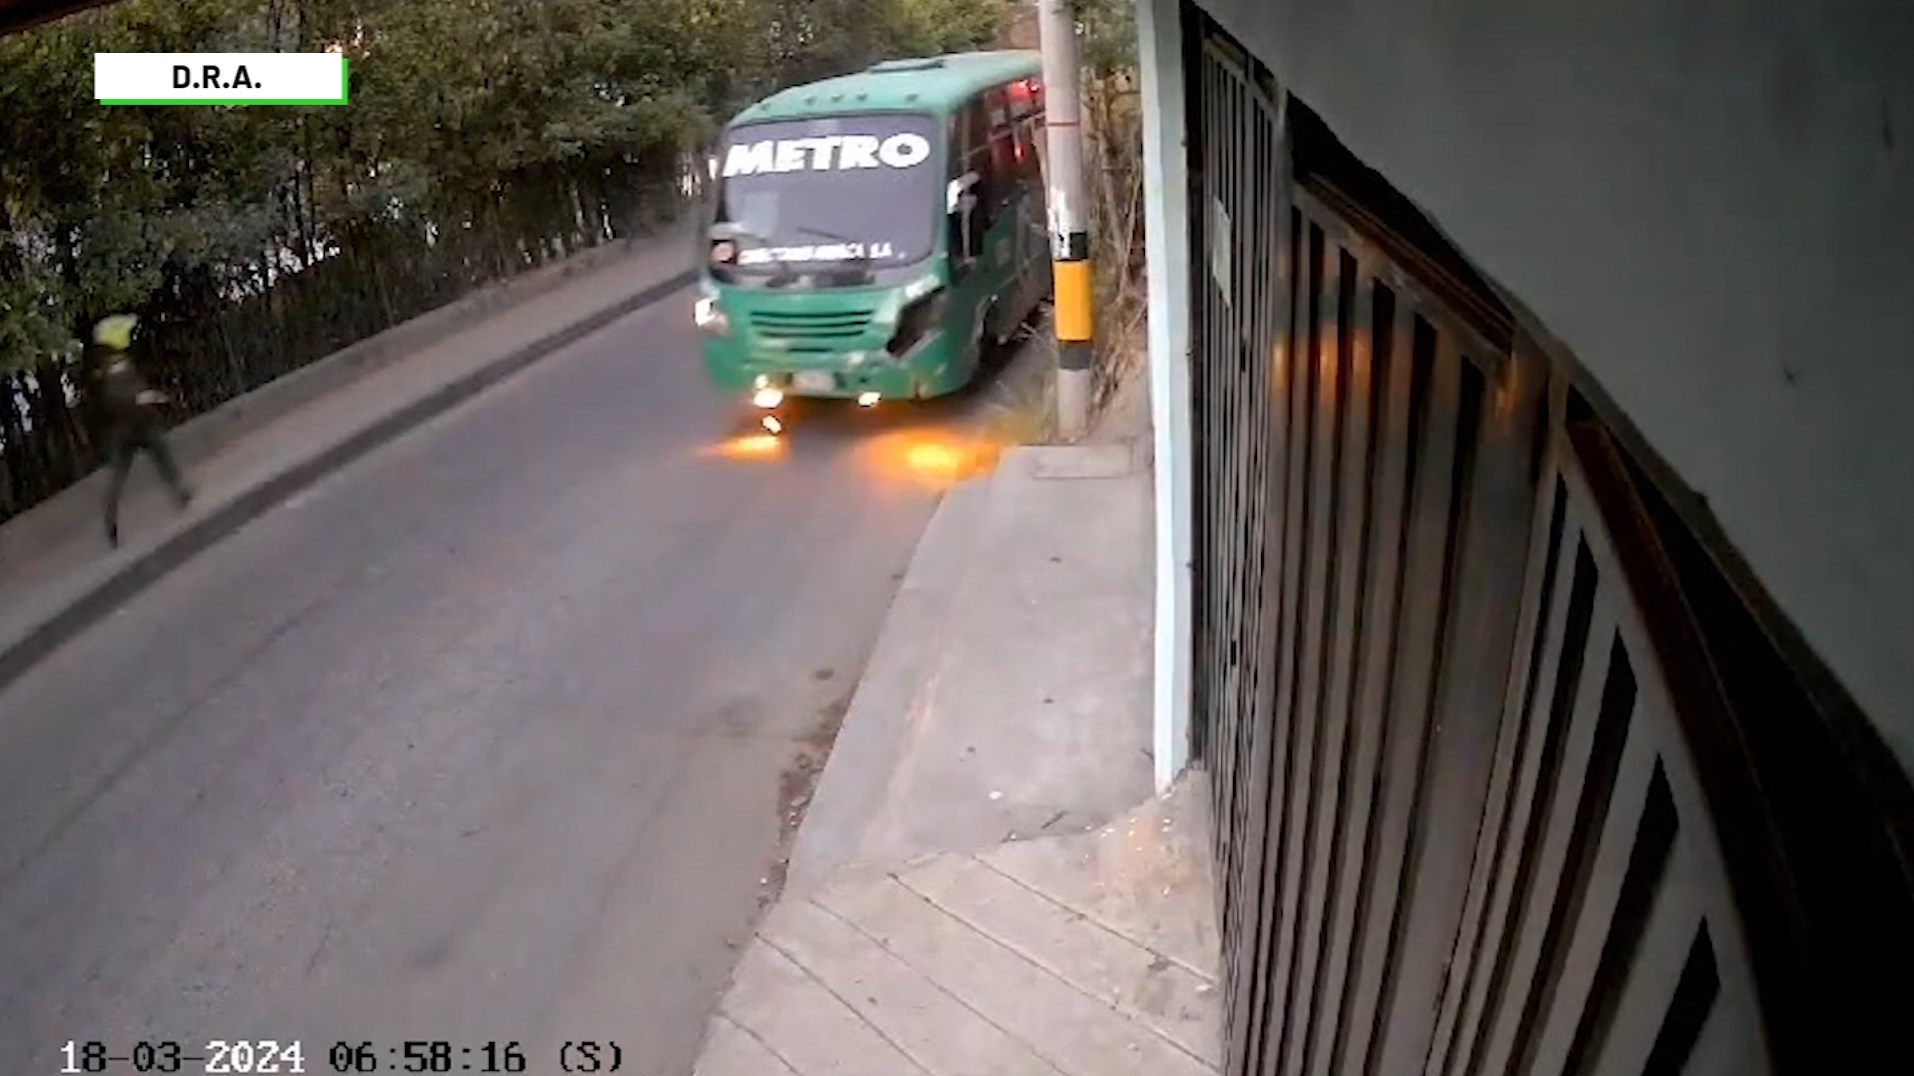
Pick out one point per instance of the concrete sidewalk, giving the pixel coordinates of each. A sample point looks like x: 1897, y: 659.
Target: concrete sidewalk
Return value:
x: 57, y: 574
x: 974, y: 888
x: 1088, y: 955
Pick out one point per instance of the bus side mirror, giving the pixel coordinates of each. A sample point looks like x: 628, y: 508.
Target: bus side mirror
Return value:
x: 960, y: 200
x: 966, y: 240
x: 973, y: 235
x: 959, y: 189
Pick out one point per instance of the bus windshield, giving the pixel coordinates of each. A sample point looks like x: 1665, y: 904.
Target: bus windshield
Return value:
x: 857, y: 190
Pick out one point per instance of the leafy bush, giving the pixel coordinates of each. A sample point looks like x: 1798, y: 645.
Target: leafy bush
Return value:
x: 484, y: 137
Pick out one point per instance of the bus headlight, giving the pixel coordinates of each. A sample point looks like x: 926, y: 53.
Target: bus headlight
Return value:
x: 709, y: 318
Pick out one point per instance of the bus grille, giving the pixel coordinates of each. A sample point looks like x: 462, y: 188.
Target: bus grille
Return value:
x: 811, y: 328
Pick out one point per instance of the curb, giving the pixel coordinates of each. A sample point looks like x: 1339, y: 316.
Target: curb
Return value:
x: 884, y: 707
x: 100, y: 597
x: 907, y: 653
x: 209, y: 433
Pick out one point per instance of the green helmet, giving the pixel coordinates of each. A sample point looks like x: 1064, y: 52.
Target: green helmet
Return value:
x: 115, y: 332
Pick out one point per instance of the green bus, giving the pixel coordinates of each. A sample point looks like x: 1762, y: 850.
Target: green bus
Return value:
x: 869, y: 235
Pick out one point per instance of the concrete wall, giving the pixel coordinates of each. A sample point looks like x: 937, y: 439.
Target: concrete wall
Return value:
x: 1711, y: 202
x: 1166, y: 228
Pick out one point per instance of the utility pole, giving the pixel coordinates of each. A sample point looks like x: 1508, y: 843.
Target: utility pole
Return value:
x: 1069, y: 213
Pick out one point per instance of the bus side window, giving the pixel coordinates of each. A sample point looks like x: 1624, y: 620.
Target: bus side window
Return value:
x: 976, y: 126
x: 963, y: 189
x: 997, y: 107
x: 990, y: 186
x: 1004, y: 162
x: 1006, y: 148
x: 990, y: 189
x: 1029, y: 160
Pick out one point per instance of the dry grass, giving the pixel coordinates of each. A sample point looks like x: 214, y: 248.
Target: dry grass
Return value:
x: 1113, y: 151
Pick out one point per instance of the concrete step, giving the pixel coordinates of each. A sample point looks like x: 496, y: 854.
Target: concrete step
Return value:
x: 1088, y: 955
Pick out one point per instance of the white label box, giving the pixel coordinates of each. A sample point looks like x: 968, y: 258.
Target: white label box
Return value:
x: 220, y: 78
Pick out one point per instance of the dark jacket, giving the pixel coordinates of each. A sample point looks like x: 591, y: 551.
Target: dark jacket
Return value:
x: 119, y: 384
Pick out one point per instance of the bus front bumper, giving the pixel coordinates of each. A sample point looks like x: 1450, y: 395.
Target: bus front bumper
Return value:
x: 929, y: 369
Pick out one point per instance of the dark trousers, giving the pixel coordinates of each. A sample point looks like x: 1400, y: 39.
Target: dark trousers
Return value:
x: 128, y: 439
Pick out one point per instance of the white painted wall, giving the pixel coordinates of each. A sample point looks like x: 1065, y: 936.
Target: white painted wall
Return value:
x: 1167, y: 247
x: 1712, y: 203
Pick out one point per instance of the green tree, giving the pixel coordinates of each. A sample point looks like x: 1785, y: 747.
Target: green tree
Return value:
x: 483, y: 137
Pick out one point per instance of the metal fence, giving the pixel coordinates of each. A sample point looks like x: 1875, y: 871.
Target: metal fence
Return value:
x: 213, y: 349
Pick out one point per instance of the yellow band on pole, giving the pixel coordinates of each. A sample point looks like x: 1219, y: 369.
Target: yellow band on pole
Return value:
x: 1073, y: 291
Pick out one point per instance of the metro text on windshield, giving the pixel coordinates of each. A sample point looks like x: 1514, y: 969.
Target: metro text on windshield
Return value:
x: 836, y: 190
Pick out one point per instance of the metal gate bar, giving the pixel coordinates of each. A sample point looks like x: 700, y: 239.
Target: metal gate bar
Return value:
x: 1481, y: 806
x: 1230, y: 486
x: 1601, y: 932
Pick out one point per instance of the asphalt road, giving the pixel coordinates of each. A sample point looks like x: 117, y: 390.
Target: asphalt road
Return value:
x: 481, y: 740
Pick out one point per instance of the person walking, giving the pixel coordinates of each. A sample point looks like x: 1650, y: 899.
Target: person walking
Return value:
x: 132, y: 419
